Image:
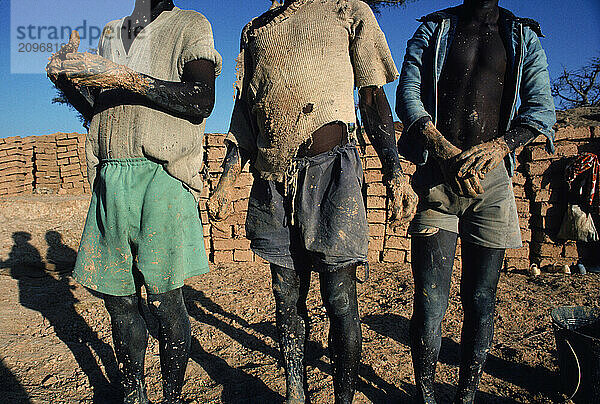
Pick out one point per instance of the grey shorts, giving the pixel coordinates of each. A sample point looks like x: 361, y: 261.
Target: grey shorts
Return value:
x: 329, y: 228
x: 489, y: 220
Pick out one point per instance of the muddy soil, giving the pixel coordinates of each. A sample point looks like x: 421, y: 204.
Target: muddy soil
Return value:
x: 55, y: 344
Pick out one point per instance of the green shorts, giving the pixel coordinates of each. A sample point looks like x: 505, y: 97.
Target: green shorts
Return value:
x: 143, y: 228
x: 489, y: 220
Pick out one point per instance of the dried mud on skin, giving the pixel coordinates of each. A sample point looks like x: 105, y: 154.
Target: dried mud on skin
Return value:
x: 235, y: 357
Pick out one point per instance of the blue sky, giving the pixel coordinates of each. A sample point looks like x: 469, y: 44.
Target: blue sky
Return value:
x: 571, y: 29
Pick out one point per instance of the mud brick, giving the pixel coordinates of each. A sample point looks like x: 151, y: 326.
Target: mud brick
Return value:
x: 231, y: 244
x: 537, y: 168
x: 518, y: 178
x: 372, y: 163
x: 370, y: 151
x: 5, y: 165
x: 66, y: 142
x: 3, y: 153
x: 376, y: 202
x: 372, y: 176
x: 522, y: 252
x: 562, y: 150
x: 376, y: 216
x: 376, y: 189
x: 571, y: 133
x: 376, y: 243
x: 62, y: 149
x: 394, y: 256
x: 12, y: 170
x: 376, y: 230
x: 522, y: 205
x: 570, y: 250
x: 259, y: 259
x: 407, y: 167
x: 74, y: 160
x: 516, y: 264
x: 546, y: 249
x: 204, y: 216
x: 525, y: 235
x: 222, y: 257
x: 216, y: 153
x: 243, y: 255
x: 214, y: 139
x: 61, y: 136
x: 397, y: 243
x: 66, y: 154
x: 373, y: 256
x: 543, y: 262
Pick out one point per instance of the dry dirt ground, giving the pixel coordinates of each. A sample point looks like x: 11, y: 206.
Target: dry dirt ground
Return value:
x: 55, y: 343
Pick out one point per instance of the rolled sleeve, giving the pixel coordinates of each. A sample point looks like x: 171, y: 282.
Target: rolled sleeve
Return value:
x: 200, y: 45
x: 371, y: 57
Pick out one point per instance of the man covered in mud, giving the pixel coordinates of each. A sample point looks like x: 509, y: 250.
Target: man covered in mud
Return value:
x: 463, y: 72
x: 147, y: 94
x: 294, y: 119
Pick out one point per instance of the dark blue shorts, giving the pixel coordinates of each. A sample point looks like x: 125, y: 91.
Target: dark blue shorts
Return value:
x: 329, y: 229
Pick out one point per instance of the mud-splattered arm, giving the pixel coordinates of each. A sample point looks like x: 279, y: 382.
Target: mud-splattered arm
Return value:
x: 219, y: 203
x: 192, y: 98
x: 379, y: 125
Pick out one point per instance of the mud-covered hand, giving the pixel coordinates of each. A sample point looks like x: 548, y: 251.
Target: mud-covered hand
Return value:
x: 482, y: 158
x: 466, y: 185
x: 54, y: 66
x: 403, y: 200
x: 90, y: 70
x: 219, y: 205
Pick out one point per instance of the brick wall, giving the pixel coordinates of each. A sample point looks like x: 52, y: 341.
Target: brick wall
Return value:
x: 56, y: 164
x: 49, y: 164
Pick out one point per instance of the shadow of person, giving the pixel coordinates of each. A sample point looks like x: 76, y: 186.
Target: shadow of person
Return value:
x: 533, y: 379
x: 11, y: 390
x: 60, y: 257
x: 238, y: 386
x: 53, y: 298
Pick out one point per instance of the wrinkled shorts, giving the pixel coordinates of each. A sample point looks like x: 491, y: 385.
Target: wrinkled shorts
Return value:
x: 143, y: 227
x: 329, y: 229
x: 489, y: 220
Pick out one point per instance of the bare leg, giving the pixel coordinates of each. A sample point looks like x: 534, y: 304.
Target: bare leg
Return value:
x: 290, y: 290
x: 432, y: 261
x: 174, y: 341
x: 338, y: 290
x: 481, y: 271
x: 130, y: 338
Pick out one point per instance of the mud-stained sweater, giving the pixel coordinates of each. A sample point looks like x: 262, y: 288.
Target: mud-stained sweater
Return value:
x: 125, y: 125
x: 297, y: 72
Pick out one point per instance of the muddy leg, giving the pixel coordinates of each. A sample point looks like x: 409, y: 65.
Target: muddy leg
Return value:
x: 432, y: 261
x: 290, y: 290
x: 174, y: 341
x: 338, y: 290
x: 130, y: 338
x: 481, y: 271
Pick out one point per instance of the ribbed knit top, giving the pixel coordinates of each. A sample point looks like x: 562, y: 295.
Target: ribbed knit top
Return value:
x: 297, y: 72
x: 126, y: 125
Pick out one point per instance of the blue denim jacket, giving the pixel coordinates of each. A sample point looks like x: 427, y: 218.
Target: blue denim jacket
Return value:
x: 423, y: 62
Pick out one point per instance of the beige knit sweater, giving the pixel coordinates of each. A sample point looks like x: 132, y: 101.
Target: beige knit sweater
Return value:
x: 125, y: 125
x: 298, y: 72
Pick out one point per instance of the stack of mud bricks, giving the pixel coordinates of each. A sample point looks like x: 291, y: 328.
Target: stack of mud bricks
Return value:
x: 52, y: 164
x: 13, y: 167
x: 546, y: 190
x: 70, y: 152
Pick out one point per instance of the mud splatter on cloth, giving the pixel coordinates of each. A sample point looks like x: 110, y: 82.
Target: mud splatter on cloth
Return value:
x: 330, y: 227
x: 297, y: 72
x: 142, y: 223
